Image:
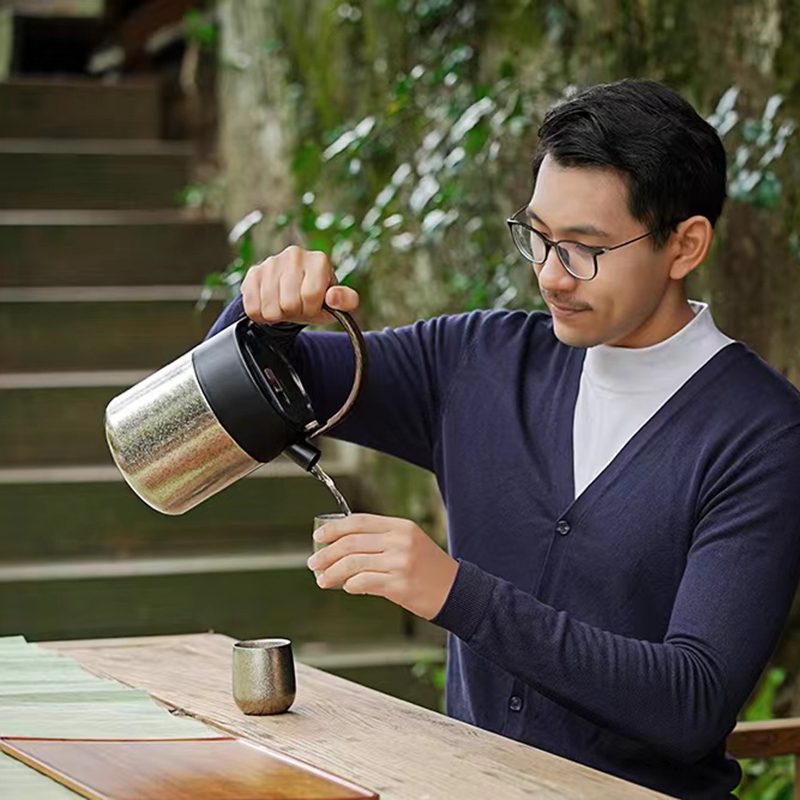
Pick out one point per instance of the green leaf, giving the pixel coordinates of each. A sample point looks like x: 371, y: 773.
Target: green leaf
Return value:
x: 247, y: 249
x: 244, y: 226
x: 507, y: 69
x: 305, y: 162
x: 761, y: 707
x: 200, y: 29
x: 751, y: 130
x: 767, y: 193
x: 476, y: 139
x: 271, y: 46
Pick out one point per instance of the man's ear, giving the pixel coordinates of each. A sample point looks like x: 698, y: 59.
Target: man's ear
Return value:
x: 690, y: 243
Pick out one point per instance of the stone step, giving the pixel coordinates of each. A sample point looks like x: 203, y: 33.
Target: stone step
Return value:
x: 71, y: 109
x: 109, y: 248
x: 105, y: 328
x: 53, y: 426
x: 61, y: 9
x: 81, y: 513
x: 56, y: 419
x: 86, y: 174
x: 246, y: 596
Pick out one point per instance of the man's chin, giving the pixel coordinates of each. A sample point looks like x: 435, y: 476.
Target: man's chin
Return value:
x: 574, y: 337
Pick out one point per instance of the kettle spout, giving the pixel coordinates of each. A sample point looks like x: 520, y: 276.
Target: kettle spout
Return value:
x: 304, y: 454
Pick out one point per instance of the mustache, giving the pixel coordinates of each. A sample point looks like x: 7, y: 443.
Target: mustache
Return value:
x: 562, y: 303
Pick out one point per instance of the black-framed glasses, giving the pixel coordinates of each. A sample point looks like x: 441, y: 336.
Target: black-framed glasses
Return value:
x: 579, y: 259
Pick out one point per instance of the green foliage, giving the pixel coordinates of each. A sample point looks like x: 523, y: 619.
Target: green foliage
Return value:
x: 432, y: 673
x: 438, y: 196
x: 230, y: 279
x: 422, y: 179
x: 754, y: 144
x: 763, y: 704
x: 773, y: 778
x: 418, y: 180
x: 201, y: 29
x: 410, y: 194
x: 421, y: 174
x: 200, y: 195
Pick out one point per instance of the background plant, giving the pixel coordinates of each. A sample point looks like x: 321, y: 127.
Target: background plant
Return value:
x: 414, y: 194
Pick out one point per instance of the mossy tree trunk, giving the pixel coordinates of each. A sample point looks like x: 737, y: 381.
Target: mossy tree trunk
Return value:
x: 257, y: 129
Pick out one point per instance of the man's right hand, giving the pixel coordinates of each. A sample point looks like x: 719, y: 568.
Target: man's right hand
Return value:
x: 292, y: 286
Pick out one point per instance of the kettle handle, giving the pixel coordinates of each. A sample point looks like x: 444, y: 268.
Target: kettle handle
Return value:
x: 360, y: 351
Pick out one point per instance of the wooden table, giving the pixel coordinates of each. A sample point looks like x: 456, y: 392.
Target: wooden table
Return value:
x: 398, y: 749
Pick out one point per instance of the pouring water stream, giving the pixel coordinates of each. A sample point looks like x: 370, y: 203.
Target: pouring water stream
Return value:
x: 322, y: 476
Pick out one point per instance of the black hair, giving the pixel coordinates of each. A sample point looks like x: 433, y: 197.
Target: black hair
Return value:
x: 672, y: 160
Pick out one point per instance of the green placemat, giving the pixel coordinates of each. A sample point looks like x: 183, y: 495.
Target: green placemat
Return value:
x: 45, y: 694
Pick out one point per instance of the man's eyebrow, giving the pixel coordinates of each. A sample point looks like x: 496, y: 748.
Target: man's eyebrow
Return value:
x: 584, y: 230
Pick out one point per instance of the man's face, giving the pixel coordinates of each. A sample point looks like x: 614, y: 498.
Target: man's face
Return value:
x: 625, y: 303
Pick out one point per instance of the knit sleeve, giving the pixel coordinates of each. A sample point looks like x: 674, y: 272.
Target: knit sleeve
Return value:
x: 680, y: 695
x: 409, y: 372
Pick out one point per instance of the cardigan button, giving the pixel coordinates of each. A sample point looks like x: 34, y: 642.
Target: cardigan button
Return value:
x: 515, y: 704
x: 563, y: 527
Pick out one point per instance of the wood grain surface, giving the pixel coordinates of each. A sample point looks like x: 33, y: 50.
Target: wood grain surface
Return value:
x: 179, y: 769
x: 764, y: 739
x: 397, y: 749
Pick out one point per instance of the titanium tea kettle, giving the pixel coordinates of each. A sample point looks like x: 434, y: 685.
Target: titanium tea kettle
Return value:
x: 215, y: 414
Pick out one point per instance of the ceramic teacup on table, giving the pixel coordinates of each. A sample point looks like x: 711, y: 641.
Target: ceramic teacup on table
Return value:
x: 263, y: 676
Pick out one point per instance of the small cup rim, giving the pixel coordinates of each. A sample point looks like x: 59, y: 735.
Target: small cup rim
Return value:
x: 262, y: 644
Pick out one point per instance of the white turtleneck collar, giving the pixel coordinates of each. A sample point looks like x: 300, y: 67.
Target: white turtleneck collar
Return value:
x: 656, y: 368
x: 621, y: 388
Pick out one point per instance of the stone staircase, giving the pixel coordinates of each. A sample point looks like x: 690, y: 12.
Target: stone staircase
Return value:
x: 99, y: 275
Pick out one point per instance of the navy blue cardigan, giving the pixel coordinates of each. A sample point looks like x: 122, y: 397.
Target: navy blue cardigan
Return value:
x: 623, y: 629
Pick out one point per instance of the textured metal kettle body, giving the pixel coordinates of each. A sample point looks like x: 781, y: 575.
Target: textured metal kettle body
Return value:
x: 168, y: 444
x: 215, y: 414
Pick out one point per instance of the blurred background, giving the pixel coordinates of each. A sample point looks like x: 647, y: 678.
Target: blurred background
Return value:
x: 151, y: 150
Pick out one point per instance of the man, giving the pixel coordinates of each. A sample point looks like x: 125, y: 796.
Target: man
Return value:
x: 619, y: 476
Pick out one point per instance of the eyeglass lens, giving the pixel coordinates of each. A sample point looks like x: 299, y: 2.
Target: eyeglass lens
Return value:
x: 575, y: 257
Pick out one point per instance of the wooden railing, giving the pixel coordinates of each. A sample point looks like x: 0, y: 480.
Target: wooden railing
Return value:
x: 775, y: 737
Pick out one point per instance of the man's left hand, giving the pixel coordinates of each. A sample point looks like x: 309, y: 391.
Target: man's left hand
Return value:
x: 385, y: 556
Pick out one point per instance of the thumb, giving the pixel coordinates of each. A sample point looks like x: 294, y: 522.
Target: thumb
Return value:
x: 342, y: 298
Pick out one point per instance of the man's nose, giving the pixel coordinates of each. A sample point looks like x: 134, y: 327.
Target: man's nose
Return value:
x: 553, y: 277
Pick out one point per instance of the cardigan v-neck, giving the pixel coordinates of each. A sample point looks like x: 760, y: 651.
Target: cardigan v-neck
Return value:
x: 655, y: 425
x: 623, y: 629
